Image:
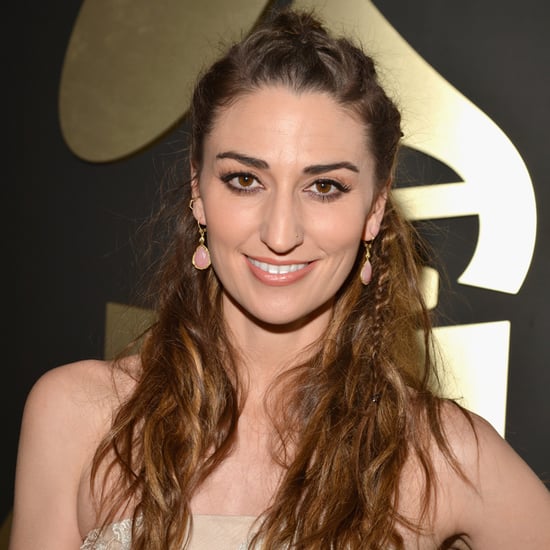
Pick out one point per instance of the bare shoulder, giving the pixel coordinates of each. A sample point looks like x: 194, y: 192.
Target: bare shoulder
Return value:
x: 67, y: 412
x: 81, y: 394
x: 92, y: 377
x: 500, y: 503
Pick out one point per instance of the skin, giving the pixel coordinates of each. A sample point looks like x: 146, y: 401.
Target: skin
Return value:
x: 279, y: 212
x: 505, y: 507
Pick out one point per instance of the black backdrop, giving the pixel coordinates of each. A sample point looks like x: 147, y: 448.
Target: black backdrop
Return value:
x: 68, y: 224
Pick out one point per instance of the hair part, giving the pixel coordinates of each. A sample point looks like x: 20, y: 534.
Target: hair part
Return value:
x: 296, y: 52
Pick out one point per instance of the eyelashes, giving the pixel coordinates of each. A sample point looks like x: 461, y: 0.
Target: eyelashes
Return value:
x: 327, y: 189
x: 322, y: 189
x: 241, y: 182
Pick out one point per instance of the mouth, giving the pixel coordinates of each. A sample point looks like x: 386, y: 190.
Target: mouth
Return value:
x: 274, y: 269
x: 272, y: 274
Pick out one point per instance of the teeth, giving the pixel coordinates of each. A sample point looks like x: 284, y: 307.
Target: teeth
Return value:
x: 277, y: 269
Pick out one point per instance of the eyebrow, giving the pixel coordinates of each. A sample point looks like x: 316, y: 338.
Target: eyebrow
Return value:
x: 314, y: 169
x: 322, y: 168
x: 245, y: 159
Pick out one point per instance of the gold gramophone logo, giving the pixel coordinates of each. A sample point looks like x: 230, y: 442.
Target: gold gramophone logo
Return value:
x: 129, y: 70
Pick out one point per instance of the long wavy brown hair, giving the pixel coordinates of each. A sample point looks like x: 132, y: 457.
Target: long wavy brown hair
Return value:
x: 357, y: 408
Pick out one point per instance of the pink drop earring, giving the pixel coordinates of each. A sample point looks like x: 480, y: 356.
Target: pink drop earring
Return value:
x: 201, y: 257
x: 366, y: 270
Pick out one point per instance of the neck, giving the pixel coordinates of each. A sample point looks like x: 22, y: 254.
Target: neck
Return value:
x: 269, y: 350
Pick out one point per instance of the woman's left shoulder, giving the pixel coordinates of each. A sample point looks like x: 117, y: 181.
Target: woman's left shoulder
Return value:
x: 498, y: 500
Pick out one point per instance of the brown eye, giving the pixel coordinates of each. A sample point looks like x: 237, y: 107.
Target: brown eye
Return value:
x: 327, y: 189
x: 241, y: 182
x: 323, y: 187
x: 245, y: 180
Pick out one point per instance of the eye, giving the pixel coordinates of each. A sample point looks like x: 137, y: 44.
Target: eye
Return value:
x: 244, y: 180
x: 323, y: 187
x: 327, y: 189
x: 241, y: 182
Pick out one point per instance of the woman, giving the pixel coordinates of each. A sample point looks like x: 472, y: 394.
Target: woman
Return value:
x: 282, y: 398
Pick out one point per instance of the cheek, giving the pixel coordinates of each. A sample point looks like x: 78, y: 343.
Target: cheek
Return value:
x: 339, y: 232
x: 227, y: 228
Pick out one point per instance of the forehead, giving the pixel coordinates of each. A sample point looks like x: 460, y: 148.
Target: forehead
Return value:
x: 281, y: 124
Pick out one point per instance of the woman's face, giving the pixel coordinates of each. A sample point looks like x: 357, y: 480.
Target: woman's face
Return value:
x: 287, y: 193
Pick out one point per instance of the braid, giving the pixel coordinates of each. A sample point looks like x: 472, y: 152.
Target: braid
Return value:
x: 348, y: 410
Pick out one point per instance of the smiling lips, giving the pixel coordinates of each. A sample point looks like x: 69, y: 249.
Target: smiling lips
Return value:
x: 278, y: 274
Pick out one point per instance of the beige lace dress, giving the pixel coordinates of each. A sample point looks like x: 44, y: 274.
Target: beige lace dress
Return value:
x: 209, y: 532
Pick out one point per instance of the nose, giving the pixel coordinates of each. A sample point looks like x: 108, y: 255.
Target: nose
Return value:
x: 281, y: 228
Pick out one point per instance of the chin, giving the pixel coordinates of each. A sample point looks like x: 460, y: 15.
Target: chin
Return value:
x: 280, y: 319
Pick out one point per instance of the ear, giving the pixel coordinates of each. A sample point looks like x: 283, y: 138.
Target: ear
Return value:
x: 374, y: 219
x: 196, y: 204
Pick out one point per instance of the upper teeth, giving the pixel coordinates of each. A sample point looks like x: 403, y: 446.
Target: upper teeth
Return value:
x: 277, y: 269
